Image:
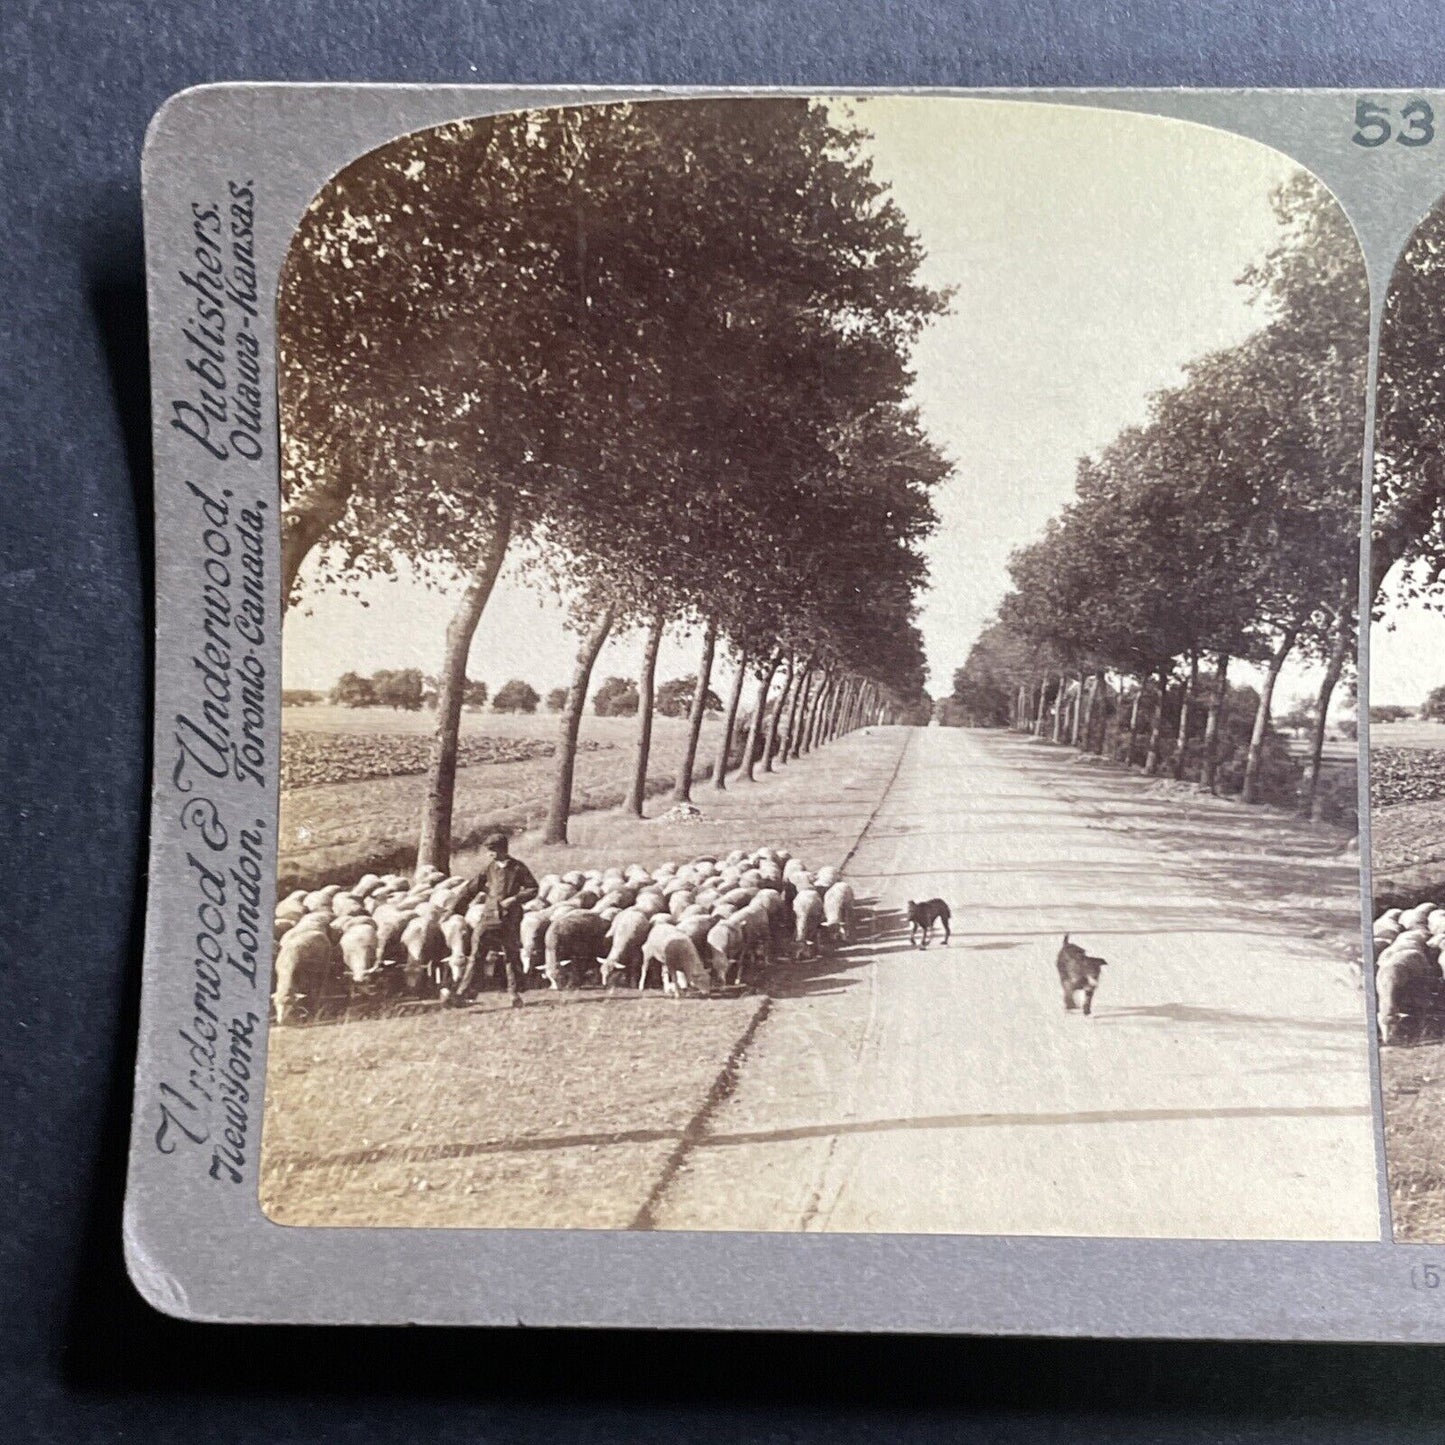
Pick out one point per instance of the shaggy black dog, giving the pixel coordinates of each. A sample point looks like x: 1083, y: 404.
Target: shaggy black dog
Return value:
x: 922, y: 917
x: 1078, y: 973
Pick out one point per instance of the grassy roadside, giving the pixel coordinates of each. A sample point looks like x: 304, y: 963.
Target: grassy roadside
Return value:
x: 565, y: 1112
x: 1412, y: 1081
x: 1407, y: 813
x: 561, y: 1114
x: 1407, y: 853
x: 815, y: 806
x: 335, y: 832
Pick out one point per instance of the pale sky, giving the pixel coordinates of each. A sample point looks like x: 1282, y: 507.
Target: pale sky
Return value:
x: 1407, y: 651
x: 1093, y: 254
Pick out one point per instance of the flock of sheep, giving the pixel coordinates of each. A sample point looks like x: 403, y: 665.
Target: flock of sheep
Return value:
x: 1409, y: 982
x: 707, y: 923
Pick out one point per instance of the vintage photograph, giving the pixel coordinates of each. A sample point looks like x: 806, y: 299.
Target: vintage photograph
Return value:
x: 1407, y: 732
x: 820, y: 679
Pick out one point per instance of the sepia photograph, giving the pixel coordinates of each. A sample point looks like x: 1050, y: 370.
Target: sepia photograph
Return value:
x: 1407, y: 733
x: 820, y: 681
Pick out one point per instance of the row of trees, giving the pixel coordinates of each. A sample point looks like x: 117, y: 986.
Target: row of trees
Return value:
x: 657, y: 354
x: 1224, y: 528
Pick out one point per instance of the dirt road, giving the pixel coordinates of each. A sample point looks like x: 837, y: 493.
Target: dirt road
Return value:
x: 1221, y: 1089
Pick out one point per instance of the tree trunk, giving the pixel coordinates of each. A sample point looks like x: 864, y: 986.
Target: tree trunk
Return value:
x: 1255, y: 756
x: 1383, y: 556
x: 1214, y: 721
x: 843, y: 710
x: 788, y: 750
x: 788, y: 742
x: 824, y: 730
x: 770, y: 743
x: 303, y: 528
x: 755, y: 728
x: 1085, y: 736
x: 1059, y: 709
x: 1100, y: 709
x: 1041, y: 712
x: 730, y: 717
x: 646, y: 707
x: 561, y: 808
x: 798, y: 723
x: 1156, y: 732
x: 1078, y: 717
x: 1134, y: 722
x: 1186, y: 699
x: 435, y: 845
x: 805, y: 713
x: 682, y: 792
x: 1339, y: 650
x: 825, y: 712
x: 815, y: 712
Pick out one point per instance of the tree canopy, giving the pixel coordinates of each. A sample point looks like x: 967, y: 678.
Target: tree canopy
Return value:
x: 617, y: 697
x: 663, y: 349
x: 516, y: 696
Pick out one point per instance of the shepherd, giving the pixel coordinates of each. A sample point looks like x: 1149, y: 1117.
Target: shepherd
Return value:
x: 505, y: 884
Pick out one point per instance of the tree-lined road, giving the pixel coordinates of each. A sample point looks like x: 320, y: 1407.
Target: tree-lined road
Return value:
x: 1221, y: 1089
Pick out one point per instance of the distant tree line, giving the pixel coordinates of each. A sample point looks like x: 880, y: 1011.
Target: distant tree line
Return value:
x: 411, y: 690
x: 404, y: 689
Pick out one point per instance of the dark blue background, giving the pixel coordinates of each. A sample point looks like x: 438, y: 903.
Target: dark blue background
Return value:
x: 80, y: 1357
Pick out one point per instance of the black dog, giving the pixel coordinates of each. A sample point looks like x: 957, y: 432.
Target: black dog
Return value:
x: 922, y: 917
x: 1078, y: 973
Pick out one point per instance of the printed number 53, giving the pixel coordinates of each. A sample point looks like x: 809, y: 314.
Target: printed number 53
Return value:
x: 1373, y: 124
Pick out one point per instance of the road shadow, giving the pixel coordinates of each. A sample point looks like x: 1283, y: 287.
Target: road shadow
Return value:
x: 880, y: 931
x: 1270, y: 867
x: 1185, y: 817
x: 1192, y: 1014
x: 468, y: 1149
x: 798, y: 1132
x: 497, y: 1000
x: 475, y: 1148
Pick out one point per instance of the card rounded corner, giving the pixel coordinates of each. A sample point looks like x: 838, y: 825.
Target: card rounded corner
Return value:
x: 175, y: 108
x: 154, y: 1280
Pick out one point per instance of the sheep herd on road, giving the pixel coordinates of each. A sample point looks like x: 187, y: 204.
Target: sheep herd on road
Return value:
x: 695, y: 926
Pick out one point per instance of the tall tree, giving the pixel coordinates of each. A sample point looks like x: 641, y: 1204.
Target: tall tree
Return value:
x: 560, y: 809
x: 730, y: 717
x: 682, y: 790
x: 435, y: 845
x: 646, y: 689
x: 756, y: 739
